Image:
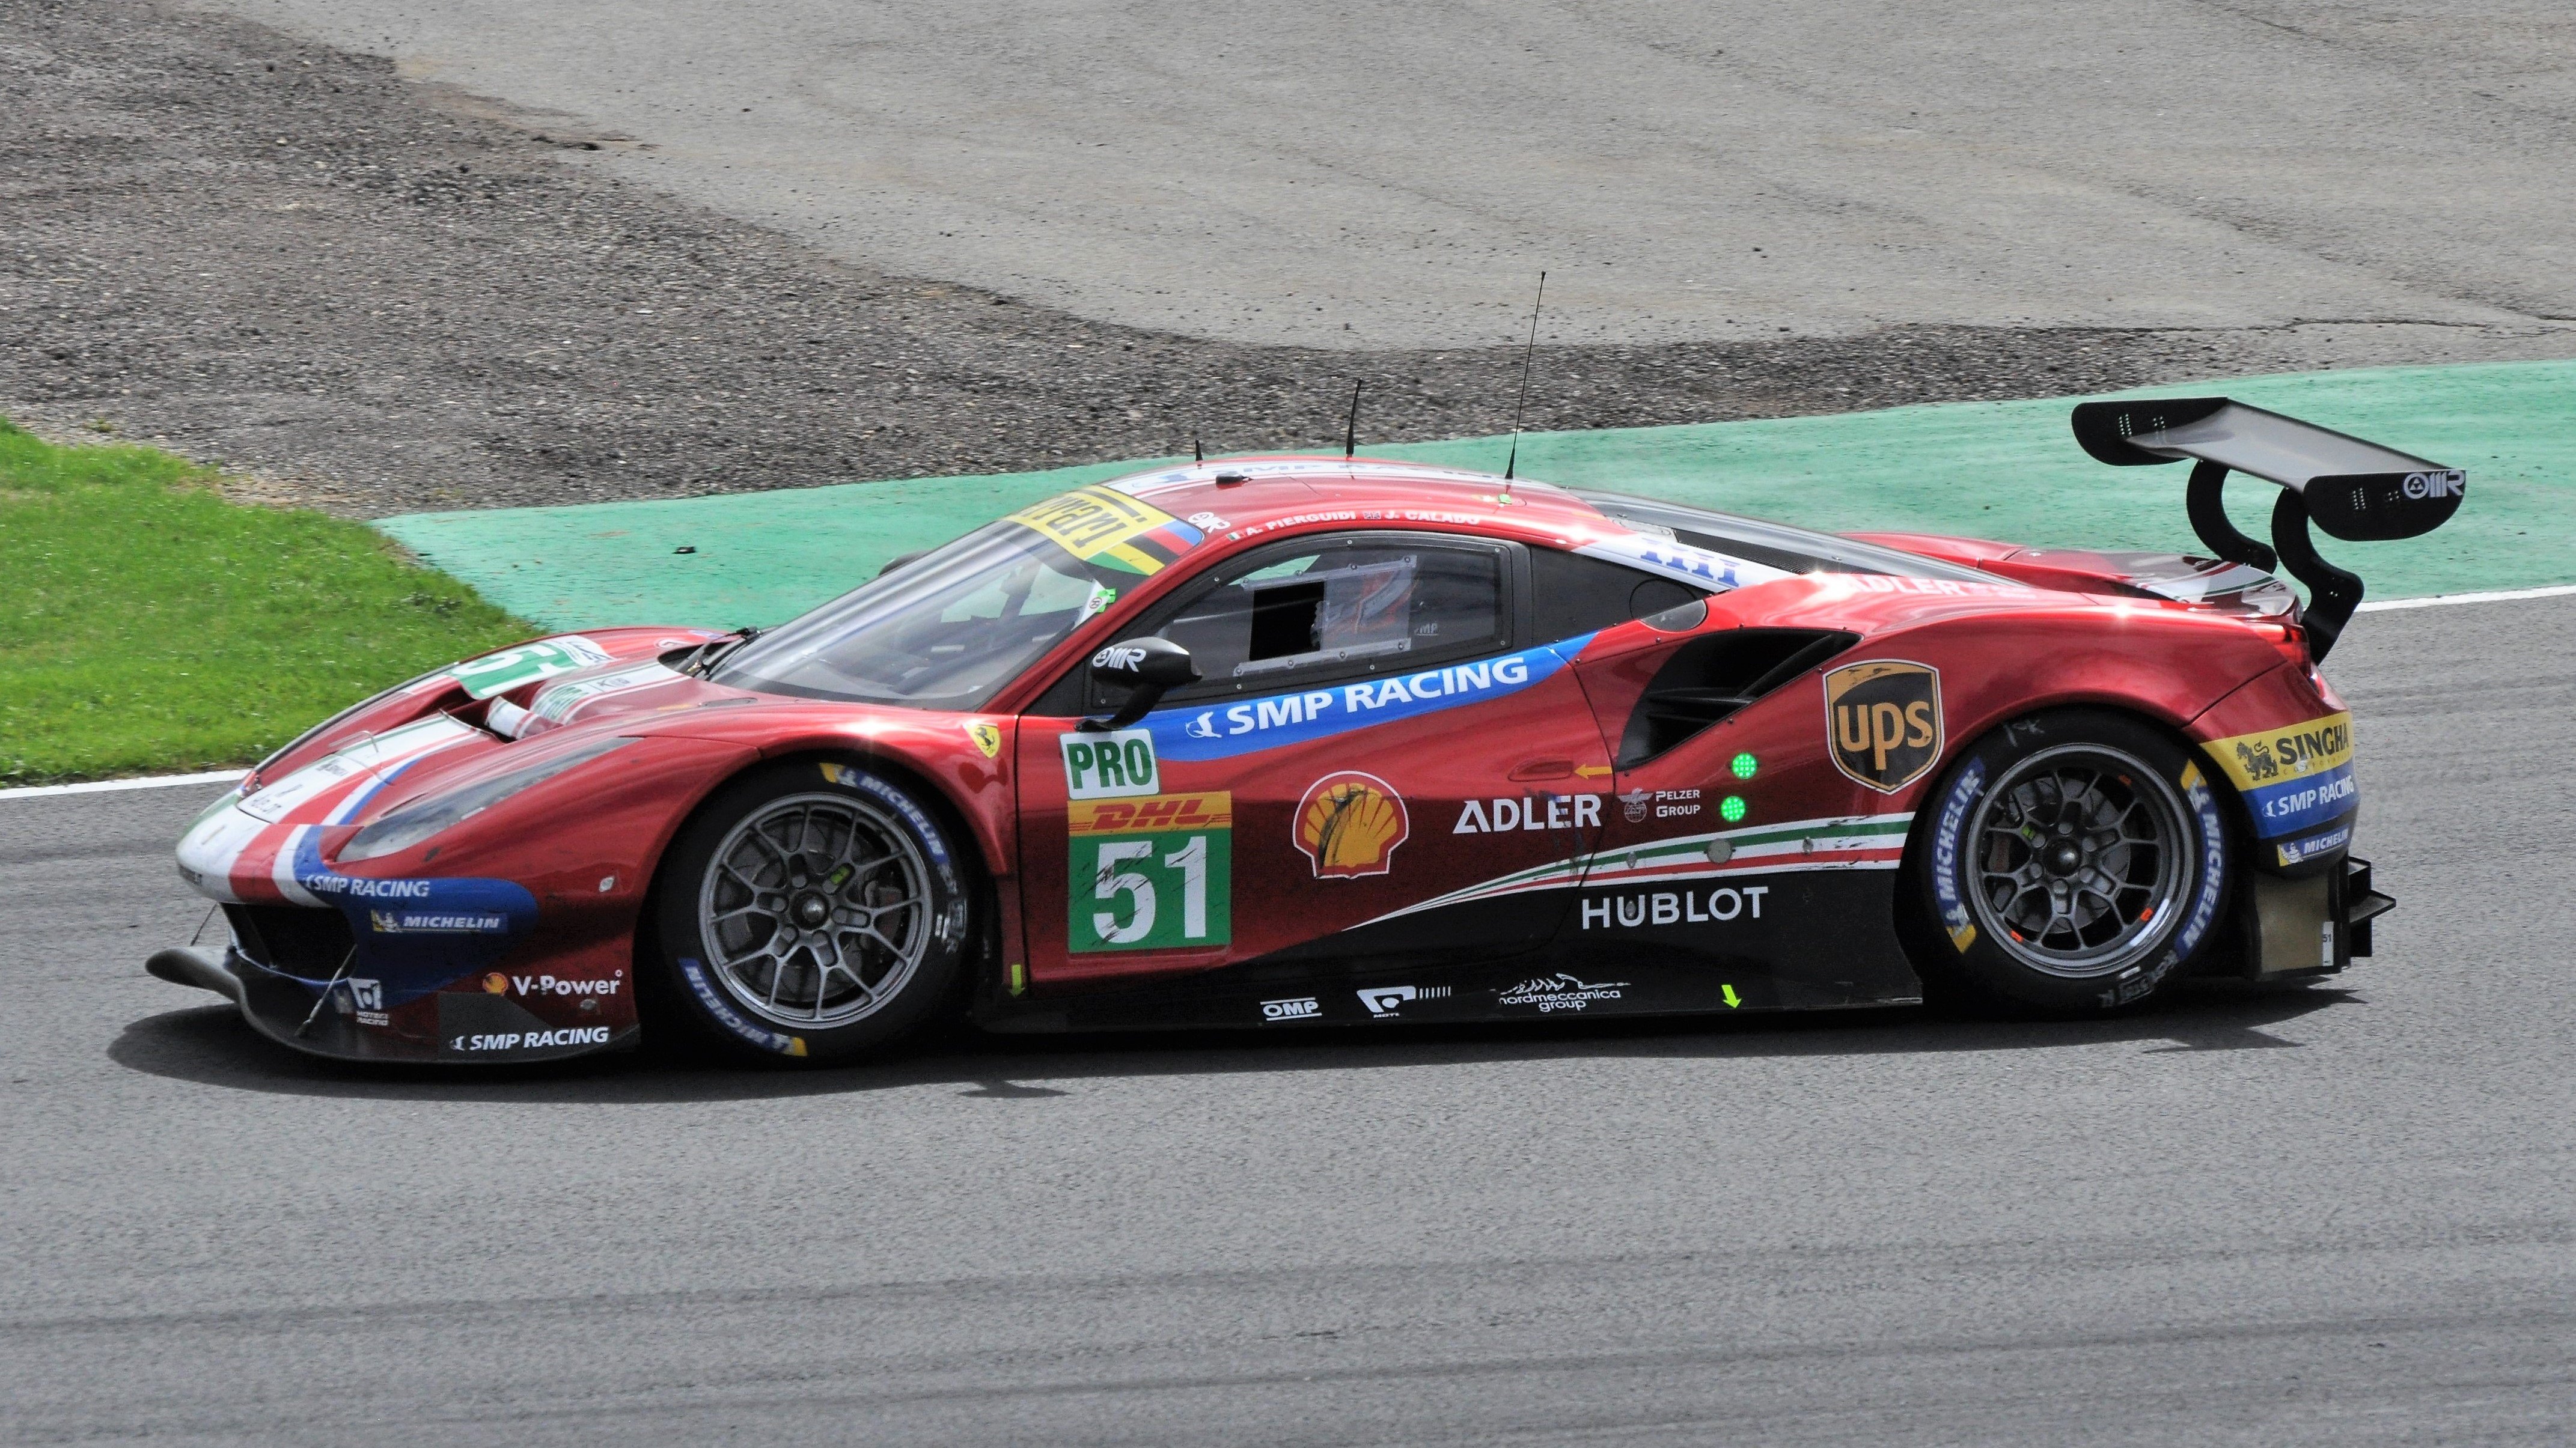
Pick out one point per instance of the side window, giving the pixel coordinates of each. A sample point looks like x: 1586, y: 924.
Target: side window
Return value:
x: 1340, y: 607
x: 1571, y: 594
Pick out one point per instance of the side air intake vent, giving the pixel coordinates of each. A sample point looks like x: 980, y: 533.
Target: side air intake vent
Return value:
x: 1709, y: 678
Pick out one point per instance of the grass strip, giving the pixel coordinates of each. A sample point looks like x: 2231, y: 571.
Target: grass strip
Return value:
x: 152, y: 625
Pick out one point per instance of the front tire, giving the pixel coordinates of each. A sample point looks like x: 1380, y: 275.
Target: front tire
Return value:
x: 2074, y: 862
x: 812, y: 913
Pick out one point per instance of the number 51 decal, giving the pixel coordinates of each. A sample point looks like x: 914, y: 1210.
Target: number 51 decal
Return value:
x: 1151, y: 874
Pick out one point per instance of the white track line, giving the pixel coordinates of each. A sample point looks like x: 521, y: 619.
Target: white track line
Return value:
x: 227, y: 776
x: 158, y: 781
x: 2504, y: 596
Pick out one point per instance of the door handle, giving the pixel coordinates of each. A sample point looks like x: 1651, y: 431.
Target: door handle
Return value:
x: 1543, y: 769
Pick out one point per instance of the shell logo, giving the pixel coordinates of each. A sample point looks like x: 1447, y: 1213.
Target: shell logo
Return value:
x: 497, y: 983
x: 1349, y: 824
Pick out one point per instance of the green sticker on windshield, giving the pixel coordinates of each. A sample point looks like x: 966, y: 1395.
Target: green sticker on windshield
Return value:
x: 500, y: 673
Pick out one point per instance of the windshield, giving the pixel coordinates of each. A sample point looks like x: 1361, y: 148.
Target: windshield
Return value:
x: 944, y: 631
x: 1795, y: 550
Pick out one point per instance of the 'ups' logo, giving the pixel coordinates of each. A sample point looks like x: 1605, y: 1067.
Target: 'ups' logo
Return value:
x: 1883, y: 719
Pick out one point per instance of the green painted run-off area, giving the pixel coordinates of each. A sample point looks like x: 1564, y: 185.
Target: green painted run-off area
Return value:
x: 2003, y: 470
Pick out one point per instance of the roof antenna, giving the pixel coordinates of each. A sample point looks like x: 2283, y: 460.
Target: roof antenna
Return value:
x: 1198, y: 454
x: 1526, y: 354
x: 1351, y: 434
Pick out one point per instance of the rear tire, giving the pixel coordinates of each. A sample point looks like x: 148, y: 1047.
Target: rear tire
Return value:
x: 812, y: 913
x: 2072, y: 862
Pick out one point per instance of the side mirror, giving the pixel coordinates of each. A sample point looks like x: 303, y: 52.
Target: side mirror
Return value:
x: 1147, y: 667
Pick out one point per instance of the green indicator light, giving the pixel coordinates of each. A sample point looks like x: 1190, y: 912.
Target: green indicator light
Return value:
x: 1732, y: 807
x: 1744, y: 765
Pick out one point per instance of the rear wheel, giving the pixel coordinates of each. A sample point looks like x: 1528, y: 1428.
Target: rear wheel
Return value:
x: 812, y: 912
x: 2075, y: 861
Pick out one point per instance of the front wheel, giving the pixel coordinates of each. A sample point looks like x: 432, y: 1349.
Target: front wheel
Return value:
x: 2075, y: 861
x: 812, y: 911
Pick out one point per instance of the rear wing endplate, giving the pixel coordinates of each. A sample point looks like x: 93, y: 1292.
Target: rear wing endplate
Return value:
x: 2353, y: 489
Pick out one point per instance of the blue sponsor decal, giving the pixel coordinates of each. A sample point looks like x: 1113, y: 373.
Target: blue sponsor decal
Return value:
x: 2299, y: 852
x: 2303, y: 803
x: 437, y: 922
x: 1713, y: 571
x: 1202, y: 731
x: 415, y: 936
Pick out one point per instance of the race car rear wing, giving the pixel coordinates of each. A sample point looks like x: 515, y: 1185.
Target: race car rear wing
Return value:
x: 2355, y: 490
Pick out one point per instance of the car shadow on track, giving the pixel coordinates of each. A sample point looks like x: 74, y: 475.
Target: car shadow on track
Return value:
x: 212, y: 1046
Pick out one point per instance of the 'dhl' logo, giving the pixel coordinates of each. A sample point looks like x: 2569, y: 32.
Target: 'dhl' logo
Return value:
x: 1883, y: 719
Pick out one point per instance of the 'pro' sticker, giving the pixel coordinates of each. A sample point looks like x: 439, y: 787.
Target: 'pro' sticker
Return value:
x: 1118, y: 764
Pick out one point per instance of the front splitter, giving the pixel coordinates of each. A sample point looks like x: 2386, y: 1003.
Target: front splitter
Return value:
x: 472, y: 1028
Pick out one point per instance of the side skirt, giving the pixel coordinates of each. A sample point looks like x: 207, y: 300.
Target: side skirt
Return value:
x: 1808, y: 940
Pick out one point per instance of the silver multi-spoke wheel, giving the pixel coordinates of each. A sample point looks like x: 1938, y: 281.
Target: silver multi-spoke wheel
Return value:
x: 2079, y: 858
x: 815, y: 910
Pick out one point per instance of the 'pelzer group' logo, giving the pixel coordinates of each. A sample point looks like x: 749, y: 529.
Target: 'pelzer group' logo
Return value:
x: 1349, y: 825
x: 1883, y: 719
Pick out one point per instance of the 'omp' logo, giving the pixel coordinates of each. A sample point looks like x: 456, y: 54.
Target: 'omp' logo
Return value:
x: 1349, y: 825
x: 1883, y: 719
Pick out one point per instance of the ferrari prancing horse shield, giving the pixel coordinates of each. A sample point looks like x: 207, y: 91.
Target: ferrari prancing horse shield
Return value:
x: 1883, y: 721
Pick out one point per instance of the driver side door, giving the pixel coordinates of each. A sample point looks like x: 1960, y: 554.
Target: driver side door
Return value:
x: 1378, y: 768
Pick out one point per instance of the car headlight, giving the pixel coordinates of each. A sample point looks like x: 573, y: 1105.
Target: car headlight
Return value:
x: 422, y: 818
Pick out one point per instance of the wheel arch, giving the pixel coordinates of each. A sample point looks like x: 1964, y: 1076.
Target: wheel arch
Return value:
x: 981, y: 881
x: 1916, y: 927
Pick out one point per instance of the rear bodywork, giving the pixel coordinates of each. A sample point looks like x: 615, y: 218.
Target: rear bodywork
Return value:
x: 1690, y: 812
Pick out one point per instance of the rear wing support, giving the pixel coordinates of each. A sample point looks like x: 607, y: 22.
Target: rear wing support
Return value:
x: 2353, y: 489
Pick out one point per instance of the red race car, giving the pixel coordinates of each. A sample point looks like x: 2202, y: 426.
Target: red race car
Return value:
x: 1288, y: 741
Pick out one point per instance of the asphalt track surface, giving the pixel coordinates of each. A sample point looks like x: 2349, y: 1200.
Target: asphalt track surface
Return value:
x: 1388, y: 173
x: 2324, y: 1216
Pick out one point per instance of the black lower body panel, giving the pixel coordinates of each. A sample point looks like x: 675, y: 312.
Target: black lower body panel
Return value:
x: 1797, y: 940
